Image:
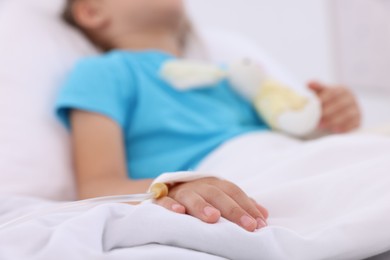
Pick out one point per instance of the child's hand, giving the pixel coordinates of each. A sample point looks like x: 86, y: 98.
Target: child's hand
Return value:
x: 341, y: 112
x: 210, y: 198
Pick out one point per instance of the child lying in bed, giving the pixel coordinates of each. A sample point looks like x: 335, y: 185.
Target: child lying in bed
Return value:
x: 128, y: 126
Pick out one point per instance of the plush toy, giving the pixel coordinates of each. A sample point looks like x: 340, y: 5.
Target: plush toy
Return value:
x: 296, y: 112
x: 291, y: 111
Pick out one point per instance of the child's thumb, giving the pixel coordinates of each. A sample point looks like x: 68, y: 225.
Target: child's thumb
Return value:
x: 316, y: 86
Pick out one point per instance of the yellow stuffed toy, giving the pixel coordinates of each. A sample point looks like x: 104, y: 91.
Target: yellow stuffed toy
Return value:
x: 291, y: 111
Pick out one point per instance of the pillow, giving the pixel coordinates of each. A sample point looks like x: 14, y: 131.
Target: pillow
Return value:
x: 37, y: 50
x: 225, y: 46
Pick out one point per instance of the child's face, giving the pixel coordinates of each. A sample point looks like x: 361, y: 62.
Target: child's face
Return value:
x: 141, y: 12
x: 144, y: 6
x: 106, y: 20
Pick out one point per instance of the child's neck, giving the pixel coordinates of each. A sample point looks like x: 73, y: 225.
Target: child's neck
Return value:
x: 168, y: 42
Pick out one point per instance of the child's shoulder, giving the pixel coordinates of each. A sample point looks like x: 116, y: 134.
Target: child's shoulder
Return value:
x: 110, y: 64
x: 122, y: 60
x: 112, y: 58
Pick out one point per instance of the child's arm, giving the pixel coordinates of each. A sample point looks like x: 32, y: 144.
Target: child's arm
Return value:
x: 100, y: 165
x: 99, y: 157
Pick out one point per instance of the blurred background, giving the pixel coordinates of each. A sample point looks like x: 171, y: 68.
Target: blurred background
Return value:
x: 335, y: 41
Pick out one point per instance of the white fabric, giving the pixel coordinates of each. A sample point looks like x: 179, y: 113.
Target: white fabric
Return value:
x: 36, y: 53
x: 177, y: 177
x: 375, y: 108
x: 327, y: 199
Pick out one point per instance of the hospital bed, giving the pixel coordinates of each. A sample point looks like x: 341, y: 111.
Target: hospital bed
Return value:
x: 37, y: 49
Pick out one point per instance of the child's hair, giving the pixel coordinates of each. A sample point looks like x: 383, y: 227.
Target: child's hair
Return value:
x: 69, y: 18
x: 67, y: 15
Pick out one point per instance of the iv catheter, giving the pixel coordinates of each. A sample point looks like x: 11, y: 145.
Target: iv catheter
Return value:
x: 157, y: 191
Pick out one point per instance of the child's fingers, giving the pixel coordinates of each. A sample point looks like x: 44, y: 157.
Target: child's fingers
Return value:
x: 263, y: 210
x: 342, y: 116
x: 338, y: 106
x: 205, y: 200
x: 343, y: 122
x: 228, y: 207
x: 316, y: 86
x: 350, y: 126
x: 171, y: 204
x: 330, y: 95
x: 246, y: 203
x: 197, y: 206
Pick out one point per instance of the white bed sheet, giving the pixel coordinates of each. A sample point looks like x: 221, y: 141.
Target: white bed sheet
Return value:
x: 375, y: 107
x: 328, y: 199
x: 39, y: 239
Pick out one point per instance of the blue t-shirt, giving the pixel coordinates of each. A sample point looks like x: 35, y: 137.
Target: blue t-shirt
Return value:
x: 164, y: 129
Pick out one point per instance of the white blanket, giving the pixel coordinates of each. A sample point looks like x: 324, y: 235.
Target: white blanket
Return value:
x: 328, y: 199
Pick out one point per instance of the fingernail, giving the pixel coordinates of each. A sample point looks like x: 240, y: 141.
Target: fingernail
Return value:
x: 177, y: 207
x: 260, y: 223
x: 246, y: 221
x: 209, y: 211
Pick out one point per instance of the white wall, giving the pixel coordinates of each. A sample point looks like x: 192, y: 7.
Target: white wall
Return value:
x: 363, y: 49
x: 296, y: 32
x: 300, y: 35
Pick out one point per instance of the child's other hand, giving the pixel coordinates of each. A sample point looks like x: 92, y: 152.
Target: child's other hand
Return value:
x: 340, y: 109
x: 210, y: 198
